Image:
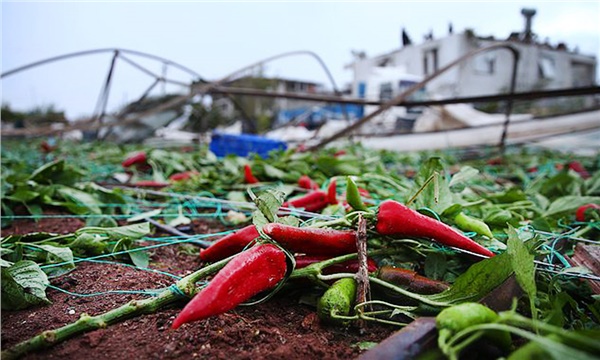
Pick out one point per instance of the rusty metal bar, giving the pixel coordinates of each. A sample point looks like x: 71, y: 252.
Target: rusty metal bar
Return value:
x: 104, y: 94
x: 532, y: 95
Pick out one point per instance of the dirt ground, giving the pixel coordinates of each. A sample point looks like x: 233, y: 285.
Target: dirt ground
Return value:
x: 283, y: 327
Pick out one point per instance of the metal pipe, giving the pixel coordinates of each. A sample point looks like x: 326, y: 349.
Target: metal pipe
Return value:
x: 97, y: 51
x: 532, y: 95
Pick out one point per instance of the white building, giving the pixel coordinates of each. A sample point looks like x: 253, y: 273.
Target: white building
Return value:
x: 541, y: 66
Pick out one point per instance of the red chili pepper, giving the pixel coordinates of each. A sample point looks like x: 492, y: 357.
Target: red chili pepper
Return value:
x: 332, y: 192
x: 578, y: 168
x: 47, y: 148
x: 364, y: 193
x: 150, y: 184
x: 350, y: 266
x: 248, y: 176
x: 183, y: 175
x: 312, y: 241
x: 229, y: 244
x: 396, y: 219
x: 582, y: 210
x: 313, y: 201
x: 495, y: 161
x: 137, y: 158
x: 306, y: 182
x: 249, y: 273
x: 411, y: 281
x: 339, y: 153
x: 301, y: 148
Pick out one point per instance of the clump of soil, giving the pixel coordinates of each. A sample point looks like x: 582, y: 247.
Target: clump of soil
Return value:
x: 283, y: 327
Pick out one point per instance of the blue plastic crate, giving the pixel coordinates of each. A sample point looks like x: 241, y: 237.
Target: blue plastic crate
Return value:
x: 244, y: 144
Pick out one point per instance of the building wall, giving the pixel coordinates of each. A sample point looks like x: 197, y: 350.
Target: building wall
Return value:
x: 541, y: 67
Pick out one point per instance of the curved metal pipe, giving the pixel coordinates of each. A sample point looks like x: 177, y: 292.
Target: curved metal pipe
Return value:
x: 286, y: 54
x: 96, y: 51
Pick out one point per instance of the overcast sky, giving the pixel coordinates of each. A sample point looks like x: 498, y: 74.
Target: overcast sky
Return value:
x: 217, y: 38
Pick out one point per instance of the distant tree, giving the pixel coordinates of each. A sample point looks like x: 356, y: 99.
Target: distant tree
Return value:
x: 37, y: 116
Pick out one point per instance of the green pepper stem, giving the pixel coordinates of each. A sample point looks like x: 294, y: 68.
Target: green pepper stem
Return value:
x: 549, y: 344
x: 314, y: 271
x: 133, y: 308
x: 515, y: 319
x: 453, y: 352
x: 412, y: 295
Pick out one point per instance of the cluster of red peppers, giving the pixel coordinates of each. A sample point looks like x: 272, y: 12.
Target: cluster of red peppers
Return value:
x: 139, y: 161
x: 262, y: 266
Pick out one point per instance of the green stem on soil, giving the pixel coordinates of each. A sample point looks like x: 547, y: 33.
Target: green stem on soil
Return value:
x: 133, y: 308
x: 422, y: 298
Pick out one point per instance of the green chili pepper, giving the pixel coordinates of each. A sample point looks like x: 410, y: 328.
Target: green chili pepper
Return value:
x: 338, y: 300
x: 459, y: 317
x: 468, y: 223
x: 499, y: 217
x: 353, y: 196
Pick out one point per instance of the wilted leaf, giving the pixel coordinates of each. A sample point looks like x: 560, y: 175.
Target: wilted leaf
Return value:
x: 23, y: 285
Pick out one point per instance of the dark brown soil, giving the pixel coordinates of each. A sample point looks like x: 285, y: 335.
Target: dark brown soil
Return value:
x: 279, y: 328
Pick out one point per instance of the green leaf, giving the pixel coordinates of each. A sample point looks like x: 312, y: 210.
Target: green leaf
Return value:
x: 103, y: 221
x: 269, y: 202
x: 57, y: 255
x: 509, y: 196
x: 134, y: 231
x: 459, y: 180
x: 47, y: 172
x: 436, y: 194
x: 289, y: 220
x: 273, y: 172
x: 34, y: 209
x: 259, y: 220
x: 5, y: 251
x: 237, y: 196
x: 56, y: 172
x: 435, y: 266
x: 140, y: 258
x: 89, y: 244
x: 7, y: 214
x: 562, y: 184
x: 524, y: 267
x: 79, y: 201
x: 23, y: 285
x: 22, y: 194
x: 110, y: 196
x: 569, y: 204
x: 498, y: 217
x: 31, y: 237
x: 478, y: 280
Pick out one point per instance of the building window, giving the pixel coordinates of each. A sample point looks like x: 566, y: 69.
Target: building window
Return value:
x: 547, y: 68
x: 385, y: 92
x: 430, y: 61
x: 362, y: 90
